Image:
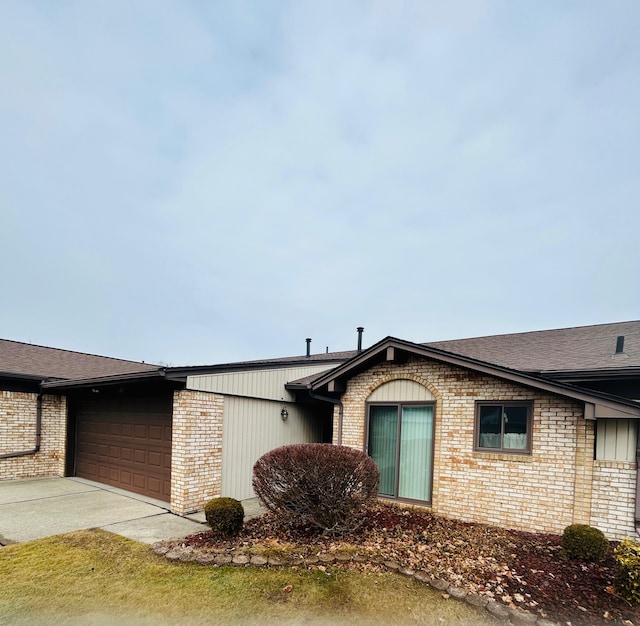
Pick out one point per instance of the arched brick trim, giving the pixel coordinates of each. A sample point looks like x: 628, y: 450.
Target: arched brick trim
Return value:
x: 404, y: 376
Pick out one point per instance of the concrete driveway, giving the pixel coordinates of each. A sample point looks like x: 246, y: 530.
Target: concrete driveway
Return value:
x: 39, y: 507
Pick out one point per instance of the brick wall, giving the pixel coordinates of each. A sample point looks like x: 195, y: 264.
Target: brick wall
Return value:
x: 542, y: 492
x: 196, y: 450
x: 614, y: 497
x: 18, y: 412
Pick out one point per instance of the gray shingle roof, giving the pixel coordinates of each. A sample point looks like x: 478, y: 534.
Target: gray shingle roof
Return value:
x: 24, y: 359
x: 563, y: 349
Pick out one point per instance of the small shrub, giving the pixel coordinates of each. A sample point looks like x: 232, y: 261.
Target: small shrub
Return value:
x: 225, y: 516
x: 582, y: 542
x: 627, y: 582
x: 316, y: 484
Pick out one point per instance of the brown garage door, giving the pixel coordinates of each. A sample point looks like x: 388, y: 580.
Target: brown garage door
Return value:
x: 125, y: 443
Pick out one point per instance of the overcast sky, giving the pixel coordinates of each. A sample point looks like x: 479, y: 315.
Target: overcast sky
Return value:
x: 194, y: 182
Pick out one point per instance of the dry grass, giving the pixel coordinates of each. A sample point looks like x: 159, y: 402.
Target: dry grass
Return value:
x: 95, y: 577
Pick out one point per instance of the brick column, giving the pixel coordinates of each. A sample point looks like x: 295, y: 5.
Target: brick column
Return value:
x: 585, y: 439
x: 196, y: 449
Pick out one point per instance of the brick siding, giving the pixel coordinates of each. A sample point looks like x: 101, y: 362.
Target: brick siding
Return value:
x: 614, y: 498
x: 196, y: 451
x: 18, y: 413
x: 554, y: 486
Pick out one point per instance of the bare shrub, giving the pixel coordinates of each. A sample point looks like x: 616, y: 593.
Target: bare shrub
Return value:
x: 316, y: 484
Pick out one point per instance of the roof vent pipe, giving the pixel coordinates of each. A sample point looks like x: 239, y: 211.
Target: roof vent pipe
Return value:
x: 620, y: 345
x: 308, y: 340
x: 360, y: 329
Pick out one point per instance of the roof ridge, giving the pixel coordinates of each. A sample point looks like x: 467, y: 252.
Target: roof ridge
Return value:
x: 533, y: 332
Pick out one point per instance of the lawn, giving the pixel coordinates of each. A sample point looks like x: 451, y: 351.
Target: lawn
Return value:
x: 95, y: 577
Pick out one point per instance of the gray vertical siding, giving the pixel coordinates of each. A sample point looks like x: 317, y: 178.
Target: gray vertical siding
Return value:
x: 616, y: 440
x: 252, y: 427
x: 268, y: 383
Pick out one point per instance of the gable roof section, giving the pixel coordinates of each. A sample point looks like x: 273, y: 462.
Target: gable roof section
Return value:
x: 597, y: 404
x: 548, y: 351
x: 31, y: 362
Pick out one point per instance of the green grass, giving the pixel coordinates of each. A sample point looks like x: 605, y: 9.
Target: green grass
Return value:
x: 95, y: 577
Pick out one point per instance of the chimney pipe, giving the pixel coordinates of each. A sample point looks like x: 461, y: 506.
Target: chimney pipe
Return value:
x: 360, y: 329
x: 308, y: 340
x: 620, y: 345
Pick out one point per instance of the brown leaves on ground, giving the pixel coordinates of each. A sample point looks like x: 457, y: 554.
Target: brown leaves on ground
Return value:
x: 519, y: 569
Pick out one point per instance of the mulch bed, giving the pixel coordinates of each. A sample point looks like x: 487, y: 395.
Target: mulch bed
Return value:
x: 518, y: 569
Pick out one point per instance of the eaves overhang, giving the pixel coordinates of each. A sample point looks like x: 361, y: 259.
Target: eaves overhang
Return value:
x: 628, y: 373
x: 391, y: 349
x: 119, y: 379
x: 25, y: 377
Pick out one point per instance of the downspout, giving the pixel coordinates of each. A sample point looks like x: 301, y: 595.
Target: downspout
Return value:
x: 35, y: 450
x: 316, y: 396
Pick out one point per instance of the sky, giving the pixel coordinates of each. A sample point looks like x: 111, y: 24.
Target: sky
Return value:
x: 193, y: 182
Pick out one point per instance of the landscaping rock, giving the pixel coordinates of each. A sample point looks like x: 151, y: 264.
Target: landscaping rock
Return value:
x: 186, y: 556
x: 160, y: 548
x: 343, y: 558
x: 326, y: 558
x: 406, y: 571
x: 222, y: 559
x: 393, y: 565
x: 522, y: 618
x: 422, y: 577
x: 498, y: 610
x: 258, y: 560
x: 476, y: 600
x: 173, y: 555
x: 438, y: 583
x: 240, y: 559
x: 545, y: 622
x: 274, y: 561
x: 205, y: 559
x: 457, y: 593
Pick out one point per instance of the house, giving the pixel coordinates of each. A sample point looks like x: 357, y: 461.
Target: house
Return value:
x: 182, y: 435
x: 533, y: 431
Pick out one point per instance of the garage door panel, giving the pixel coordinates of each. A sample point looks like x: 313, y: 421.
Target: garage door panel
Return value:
x: 125, y: 448
x: 154, y: 485
x: 125, y: 477
x: 155, y: 459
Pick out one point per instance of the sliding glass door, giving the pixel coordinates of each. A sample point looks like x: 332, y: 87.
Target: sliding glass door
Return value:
x: 401, y: 444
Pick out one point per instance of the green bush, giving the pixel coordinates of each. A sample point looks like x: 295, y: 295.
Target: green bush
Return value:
x: 225, y: 516
x: 581, y: 542
x: 627, y: 583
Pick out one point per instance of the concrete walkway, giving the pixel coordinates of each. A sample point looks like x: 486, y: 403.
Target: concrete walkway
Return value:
x: 39, y: 507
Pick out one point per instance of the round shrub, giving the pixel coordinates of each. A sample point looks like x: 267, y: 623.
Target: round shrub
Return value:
x: 582, y: 542
x: 316, y: 484
x: 225, y: 516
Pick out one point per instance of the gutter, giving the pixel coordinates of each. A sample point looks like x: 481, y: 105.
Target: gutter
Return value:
x: 12, y: 455
x: 316, y: 396
x: 116, y: 379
